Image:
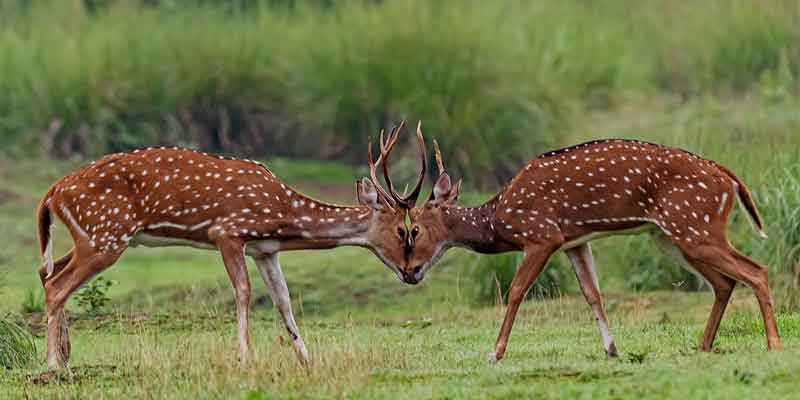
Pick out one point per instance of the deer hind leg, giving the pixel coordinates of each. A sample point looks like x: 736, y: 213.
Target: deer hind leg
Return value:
x: 532, y: 265
x: 84, y: 263
x: 270, y: 270
x: 233, y: 257
x: 59, y: 320
x: 583, y: 264
x: 720, y: 284
x: 723, y: 289
x: 757, y: 279
x: 723, y: 259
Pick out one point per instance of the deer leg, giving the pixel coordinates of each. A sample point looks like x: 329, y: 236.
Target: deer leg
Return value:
x: 532, y: 264
x: 583, y: 264
x: 758, y: 280
x: 233, y: 257
x: 270, y: 270
x: 79, y: 269
x: 721, y: 285
x: 723, y: 289
x: 727, y: 261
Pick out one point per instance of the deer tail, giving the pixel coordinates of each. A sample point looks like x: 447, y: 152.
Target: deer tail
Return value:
x: 44, y: 221
x: 746, y: 201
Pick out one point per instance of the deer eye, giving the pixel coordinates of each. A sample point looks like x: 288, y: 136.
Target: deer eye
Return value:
x: 401, y: 232
x: 414, y: 232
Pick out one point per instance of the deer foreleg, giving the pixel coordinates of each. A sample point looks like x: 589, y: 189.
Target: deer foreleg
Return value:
x: 270, y: 270
x: 233, y: 256
x: 532, y: 264
x: 583, y: 264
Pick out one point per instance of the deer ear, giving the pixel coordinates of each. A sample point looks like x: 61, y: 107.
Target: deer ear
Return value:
x: 366, y: 194
x: 444, y: 191
x: 442, y: 186
x: 455, y: 192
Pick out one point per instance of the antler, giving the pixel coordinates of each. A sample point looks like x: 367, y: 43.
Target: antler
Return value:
x: 386, y: 147
x: 438, y: 155
x: 408, y: 202
x: 382, y: 159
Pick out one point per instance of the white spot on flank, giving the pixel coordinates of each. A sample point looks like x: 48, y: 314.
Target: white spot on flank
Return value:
x: 166, y: 225
x: 200, y: 225
x: 722, y: 203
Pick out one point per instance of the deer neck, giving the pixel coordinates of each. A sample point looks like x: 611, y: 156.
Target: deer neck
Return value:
x: 473, y: 227
x: 330, y: 224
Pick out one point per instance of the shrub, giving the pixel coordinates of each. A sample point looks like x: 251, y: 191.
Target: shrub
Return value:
x: 93, y: 297
x: 495, y: 82
x: 33, y: 301
x: 17, y: 348
x: 648, y: 268
x: 493, y: 274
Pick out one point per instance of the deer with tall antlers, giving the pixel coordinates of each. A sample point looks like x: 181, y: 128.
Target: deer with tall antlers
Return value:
x: 180, y: 197
x: 563, y: 199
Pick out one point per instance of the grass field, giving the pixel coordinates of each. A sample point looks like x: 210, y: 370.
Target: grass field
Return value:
x: 169, y: 332
x: 555, y: 353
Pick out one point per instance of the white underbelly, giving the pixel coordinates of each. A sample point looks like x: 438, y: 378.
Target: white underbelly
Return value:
x: 143, y: 239
x: 597, y: 235
x: 262, y: 247
x: 252, y: 249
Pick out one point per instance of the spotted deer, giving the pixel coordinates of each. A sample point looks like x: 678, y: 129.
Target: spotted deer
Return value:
x: 563, y: 199
x: 180, y: 197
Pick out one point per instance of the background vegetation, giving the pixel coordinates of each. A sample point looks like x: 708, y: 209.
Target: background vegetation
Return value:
x: 495, y: 82
x: 301, y: 84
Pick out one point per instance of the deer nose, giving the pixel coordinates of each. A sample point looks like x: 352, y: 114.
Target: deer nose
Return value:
x: 410, y: 277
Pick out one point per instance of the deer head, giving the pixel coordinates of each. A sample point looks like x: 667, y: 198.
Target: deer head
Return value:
x: 430, y: 231
x: 388, y: 235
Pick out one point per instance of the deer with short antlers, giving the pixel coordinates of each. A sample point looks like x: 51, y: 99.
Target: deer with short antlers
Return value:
x: 180, y: 197
x: 563, y: 199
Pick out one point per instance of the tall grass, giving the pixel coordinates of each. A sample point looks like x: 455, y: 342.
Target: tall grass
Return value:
x: 493, y: 81
x: 17, y: 348
x: 492, y: 276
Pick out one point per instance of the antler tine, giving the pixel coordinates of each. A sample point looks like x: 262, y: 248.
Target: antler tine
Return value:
x: 393, y: 135
x: 406, y: 201
x: 384, y: 145
x: 411, y: 199
x: 438, y: 155
x: 374, y: 176
x: 386, y: 149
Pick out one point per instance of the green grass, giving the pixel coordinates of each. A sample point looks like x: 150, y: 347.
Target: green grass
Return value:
x: 17, y: 348
x: 555, y: 352
x: 487, y: 78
